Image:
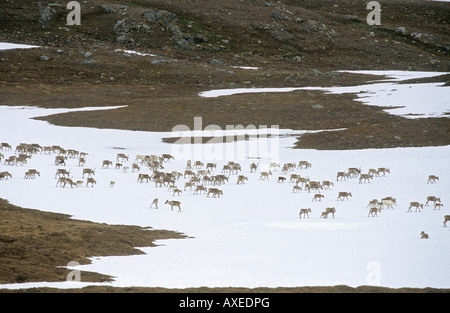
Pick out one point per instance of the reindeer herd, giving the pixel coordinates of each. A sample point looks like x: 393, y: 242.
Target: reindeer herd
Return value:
x: 206, y: 179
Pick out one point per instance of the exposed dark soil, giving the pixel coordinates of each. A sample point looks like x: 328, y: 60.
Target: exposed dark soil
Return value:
x: 35, y: 244
x: 294, y: 42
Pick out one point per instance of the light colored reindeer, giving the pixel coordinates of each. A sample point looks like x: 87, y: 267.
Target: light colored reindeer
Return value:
x: 265, y: 175
x: 174, y: 203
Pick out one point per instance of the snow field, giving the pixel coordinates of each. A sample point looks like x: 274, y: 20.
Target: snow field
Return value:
x: 252, y: 235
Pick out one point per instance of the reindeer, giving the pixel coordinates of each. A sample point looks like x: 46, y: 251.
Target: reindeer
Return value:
x: 328, y: 211
x: 60, y: 160
x: 31, y: 174
x: 274, y: 165
x: 432, y: 179
x: 88, y: 171
x: 5, y: 175
x: 121, y: 157
x: 343, y: 195
x: 106, y: 163
x: 365, y: 178
x: 317, y: 197
x: 34, y: 172
x: 61, y: 182
x: 354, y: 172
x: 384, y: 170
x: 215, y: 192
x: 416, y: 205
x: 387, y: 202
x: 189, y: 184
x: 313, y: 185
x: 432, y: 199
x: 188, y: 173
x: 199, y: 189
x: 201, y: 173
x: 265, y: 175
x: 155, y: 202
x: 176, y: 191
x: 90, y: 181
x: 302, y: 180
x: 304, y: 212
x: 293, y: 177
x: 281, y: 179
x: 304, y: 164
x: 135, y: 167
x: 11, y: 160
x: 326, y: 184
x: 81, y: 162
x: 373, y: 211
x: 70, y: 182
x: 342, y: 175
x: 235, y: 168
x: 253, y: 167
x: 141, y: 178
x: 424, y: 235
x: 437, y: 206
x: 5, y: 145
x: 174, y: 203
x: 62, y: 172
x: 241, y: 179
x: 446, y: 219
x: 210, y: 166
x: 373, y: 172
x: 167, y: 157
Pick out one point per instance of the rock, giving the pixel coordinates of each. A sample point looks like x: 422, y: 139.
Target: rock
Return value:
x: 315, y: 72
x: 317, y: 106
x: 279, y: 16
x: 216, y: 62
x: 282, y: 35
x: 90, y: 61
x: 312, y: 26
x: 44, y: 58
x: 400, y: 30
x: 154, y: 16
x: 87, y: 54
x: 45, y: 13
x: 107, y: 9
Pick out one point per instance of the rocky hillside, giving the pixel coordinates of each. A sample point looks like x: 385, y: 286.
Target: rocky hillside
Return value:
x: 413, y: 34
